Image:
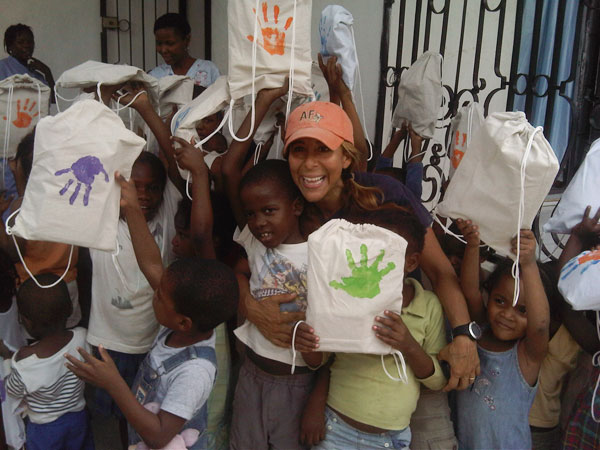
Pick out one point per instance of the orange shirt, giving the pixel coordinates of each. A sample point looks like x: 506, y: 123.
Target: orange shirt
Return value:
x: 48, y: 257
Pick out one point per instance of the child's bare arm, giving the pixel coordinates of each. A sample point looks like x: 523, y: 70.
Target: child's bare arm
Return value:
x: 582, y: 236
x: 233, y: 162
x: 146, y: 251
x: 159, y: 128
x: 201, y: 225
x: 339, y: 92
x: 535, y: 343
x: 469, y: 270
x: 395, y: 333
x: 312, y: 426
x: 156, y: 430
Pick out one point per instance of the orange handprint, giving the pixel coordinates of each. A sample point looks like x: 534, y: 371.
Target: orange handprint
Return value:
x: 273, y: 40
x: 457, y: 157
x: 24, y: 117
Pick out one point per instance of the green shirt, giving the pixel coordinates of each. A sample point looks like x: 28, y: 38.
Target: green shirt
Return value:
x: 359, y: 387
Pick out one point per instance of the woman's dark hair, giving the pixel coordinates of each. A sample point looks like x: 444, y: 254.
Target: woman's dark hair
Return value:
x: 11, y: 33
x: 173, y: 20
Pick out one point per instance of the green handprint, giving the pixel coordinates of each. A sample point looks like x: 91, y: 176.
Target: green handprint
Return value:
x: 364, y: 282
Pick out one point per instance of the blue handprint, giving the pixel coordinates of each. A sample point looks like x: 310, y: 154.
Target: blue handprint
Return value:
x: 84, y: 170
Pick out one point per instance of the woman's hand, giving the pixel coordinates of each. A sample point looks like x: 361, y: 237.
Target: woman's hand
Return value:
x: 461, y: 355
x: 273, y: 324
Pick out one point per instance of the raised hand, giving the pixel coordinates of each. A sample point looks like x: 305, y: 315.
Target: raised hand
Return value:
x: 527, y: 246
x: 365, y: 279
x: 588, y: 229
x: 273, y: 39
x: 189, y: 157
x: 129, y: 197
x: 469, y: 231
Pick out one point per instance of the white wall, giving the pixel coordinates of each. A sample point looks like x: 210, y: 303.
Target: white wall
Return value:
x: 67, y: 32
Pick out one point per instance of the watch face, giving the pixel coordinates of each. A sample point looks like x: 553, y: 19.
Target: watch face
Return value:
x: 474, y: 330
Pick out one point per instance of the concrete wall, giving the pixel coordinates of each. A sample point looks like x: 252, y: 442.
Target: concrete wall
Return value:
x: 67, y: 32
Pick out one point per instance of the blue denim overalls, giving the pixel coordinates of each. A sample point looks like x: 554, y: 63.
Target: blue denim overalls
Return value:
x: 147, y: 381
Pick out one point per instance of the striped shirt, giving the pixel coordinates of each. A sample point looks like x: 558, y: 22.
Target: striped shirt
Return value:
x: 47, y: 386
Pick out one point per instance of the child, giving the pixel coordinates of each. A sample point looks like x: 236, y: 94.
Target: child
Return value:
x: 363, y: 405
x: 121, y: 316
x: 194, y: 296
x: 53, y: 396
x: 494, y: 412
x: 267, y: 205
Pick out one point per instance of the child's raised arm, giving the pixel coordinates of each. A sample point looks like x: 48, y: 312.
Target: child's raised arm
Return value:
x: 469, y: 270
x: 159, y: 128
x: 535, y: 344
x: 582, y: 237
x: 156, y: 430
x: 145, y: 248
x: 233, y: 163
x: 201, y: 225
x: 340, y: 93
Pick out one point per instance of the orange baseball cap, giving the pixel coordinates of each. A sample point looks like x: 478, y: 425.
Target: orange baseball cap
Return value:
x: 323, y: 121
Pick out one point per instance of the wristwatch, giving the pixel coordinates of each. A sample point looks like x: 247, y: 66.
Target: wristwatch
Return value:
x: 471, y: 330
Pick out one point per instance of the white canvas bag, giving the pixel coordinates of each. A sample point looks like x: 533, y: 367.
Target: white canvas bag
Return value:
x: 583, y: 190
x: 337, y: 39
x: 95, y: 74
x: 23, y: 102
x: 464, y: 125
x: 420, y: 95
x: 501, y: 185
x: 71, y: 196
x: 578, y: 282
x: 355, y: 272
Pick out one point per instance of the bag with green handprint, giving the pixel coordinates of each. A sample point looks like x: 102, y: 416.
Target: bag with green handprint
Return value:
x: 355, y: 272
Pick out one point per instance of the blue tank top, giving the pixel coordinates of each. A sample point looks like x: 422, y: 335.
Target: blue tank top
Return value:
x: 493, y: 412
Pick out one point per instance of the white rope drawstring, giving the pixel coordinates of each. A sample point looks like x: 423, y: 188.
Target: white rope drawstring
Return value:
x: 9, y: 232
x: 7, y: 133
x: 288, y: 105
x: 294, y: 346
x: 596, y: 363
x: 515, y: 267
x: 253, y: 106
x: 65, y: 99
x: 401, y: 367
x: 362, y: 101
x: 257, y: 151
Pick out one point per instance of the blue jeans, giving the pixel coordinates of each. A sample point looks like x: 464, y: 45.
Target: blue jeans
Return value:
x: 340, y: 435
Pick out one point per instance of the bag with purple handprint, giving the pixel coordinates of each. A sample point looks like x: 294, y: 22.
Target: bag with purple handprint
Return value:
x: 71, y: 196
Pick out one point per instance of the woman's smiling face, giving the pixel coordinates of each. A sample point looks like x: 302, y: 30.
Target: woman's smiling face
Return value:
x: 316, y: 169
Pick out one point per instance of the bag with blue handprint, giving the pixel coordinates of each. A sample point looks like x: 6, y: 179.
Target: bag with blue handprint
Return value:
x: 71, y: 196
x: 578, y: 282
x: 355, y: 273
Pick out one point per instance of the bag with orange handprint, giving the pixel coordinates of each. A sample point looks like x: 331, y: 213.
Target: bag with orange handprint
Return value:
x: 23, y: 102
x: 280, y: 32
x: 464, y: 125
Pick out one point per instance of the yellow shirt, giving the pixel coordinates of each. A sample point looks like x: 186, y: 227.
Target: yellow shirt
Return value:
x: 359, y: 387
x: 560, y: 360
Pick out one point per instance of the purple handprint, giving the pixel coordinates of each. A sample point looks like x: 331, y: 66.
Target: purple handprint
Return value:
x: 84, y: 170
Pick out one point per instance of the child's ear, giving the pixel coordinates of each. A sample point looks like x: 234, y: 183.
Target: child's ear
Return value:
x: 411, y: 262
x: 184, y: 323
x: 298, y: 206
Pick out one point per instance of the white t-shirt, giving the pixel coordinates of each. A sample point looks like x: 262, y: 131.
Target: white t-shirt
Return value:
x: 11, y: 331
x: 185, y: 389
x: 48, y: 387
x: 280, y: 270
x: 122, y: 318
x: 203, y: 72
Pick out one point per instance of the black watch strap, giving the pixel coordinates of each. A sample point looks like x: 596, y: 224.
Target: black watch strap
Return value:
x: 470, y: 330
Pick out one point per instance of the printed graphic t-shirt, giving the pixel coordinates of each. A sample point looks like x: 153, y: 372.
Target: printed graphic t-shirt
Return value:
x: 280, y: 270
